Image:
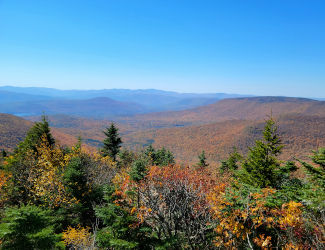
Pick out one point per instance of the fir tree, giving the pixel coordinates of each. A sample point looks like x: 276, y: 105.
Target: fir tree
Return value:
x: 202, y: 160
x: 35, y: 134
x: 160, y: 157
x: 231, y: 163
x: 112, y: 142
x: 317, y: 174
x: 139, y: 169
x: 261, y: 166
x: 28, y: 227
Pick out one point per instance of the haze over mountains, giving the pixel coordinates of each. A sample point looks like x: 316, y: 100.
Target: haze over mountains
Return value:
x: 99, y: 103
x: 192, y: 123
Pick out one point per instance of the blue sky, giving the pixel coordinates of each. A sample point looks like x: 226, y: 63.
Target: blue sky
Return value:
x: 248, y: 47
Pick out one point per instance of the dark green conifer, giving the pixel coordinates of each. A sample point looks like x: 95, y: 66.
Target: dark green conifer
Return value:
x: 231, y: 163
x: 261, y: 166
x: 35, y: 134
x: 317, y: 173
x: 28, y: 227
x: 202, y: 160
x: 112, y: 142
x: 139, y: 169
x: 3, y: 153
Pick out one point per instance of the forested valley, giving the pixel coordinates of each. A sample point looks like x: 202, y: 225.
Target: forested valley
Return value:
x: 73, y: 197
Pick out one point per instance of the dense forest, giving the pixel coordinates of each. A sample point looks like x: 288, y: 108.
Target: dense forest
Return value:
x: 61, y: 197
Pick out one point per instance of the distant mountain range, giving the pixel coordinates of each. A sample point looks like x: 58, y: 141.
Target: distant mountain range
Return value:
x: 106, y: 103
x: 214, y: 127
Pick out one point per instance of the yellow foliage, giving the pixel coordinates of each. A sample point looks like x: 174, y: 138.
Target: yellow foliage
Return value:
x: 46, y: 176
x: 79, y: 237
x: 236, y: 225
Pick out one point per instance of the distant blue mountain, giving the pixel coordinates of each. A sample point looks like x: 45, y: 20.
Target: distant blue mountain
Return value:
x: 9, y: 97
x: 151, y: 100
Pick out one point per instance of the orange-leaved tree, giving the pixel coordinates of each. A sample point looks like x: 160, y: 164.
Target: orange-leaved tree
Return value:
x: 172, y: 201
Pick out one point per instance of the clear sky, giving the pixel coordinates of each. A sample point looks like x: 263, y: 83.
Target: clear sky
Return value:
x: 261, y: 47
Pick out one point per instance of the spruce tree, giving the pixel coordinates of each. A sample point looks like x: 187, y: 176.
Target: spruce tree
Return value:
x: 261, y: 166
x: 35, y: 134
x: 139, y: 169
x: 231, y: 164
x: 112, y: 142
x: 202, y: 160
x: 315, y: 193
x: 317, y: 173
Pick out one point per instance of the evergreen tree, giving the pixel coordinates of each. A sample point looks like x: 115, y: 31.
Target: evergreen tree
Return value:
x: 139, y: 169
x: 317, y: 174
x: 231, y: 163
x: 315, y: 188
x: 118, y: 232
x: 202, y: 160
x: 161, y: 157
x: 25, y: 157
x: 28, y: 227
x: 4, y: 153
x: 112, y: 142
x: 35, y: 134
x: 126, y: 158
x: 261, y: 166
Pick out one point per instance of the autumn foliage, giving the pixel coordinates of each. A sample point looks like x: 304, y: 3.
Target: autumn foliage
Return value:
x: 72, y: 198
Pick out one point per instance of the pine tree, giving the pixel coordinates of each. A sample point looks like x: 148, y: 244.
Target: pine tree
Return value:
x: 112, y: 142
x: 261, y: 166
x: 202, y: 160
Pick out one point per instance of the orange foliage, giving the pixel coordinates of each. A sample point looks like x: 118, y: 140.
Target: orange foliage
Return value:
x: 4, y: 178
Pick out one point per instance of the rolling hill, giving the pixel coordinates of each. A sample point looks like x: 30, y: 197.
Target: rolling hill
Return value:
x: 299, y: 133
x: 215, y: 128
x: 253, y: 108
x: 13, y: 130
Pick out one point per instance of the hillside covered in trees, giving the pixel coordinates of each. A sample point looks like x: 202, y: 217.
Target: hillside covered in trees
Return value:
x: 216, y: 128
x: 67, y: 197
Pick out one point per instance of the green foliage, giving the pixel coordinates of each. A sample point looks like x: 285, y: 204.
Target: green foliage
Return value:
x: 35, y: 134
x: 112, y: 142
x: 231, y: 164
x: 159, y: 157
x: 121, y: 230
x: 139, y: 169
x: 316, y: 174
x: 126, y: 158
x: 202, y: 160
x: 24, y: 157
x: 28, y: 227
x: 75, y: 180
x: 261, y: 166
